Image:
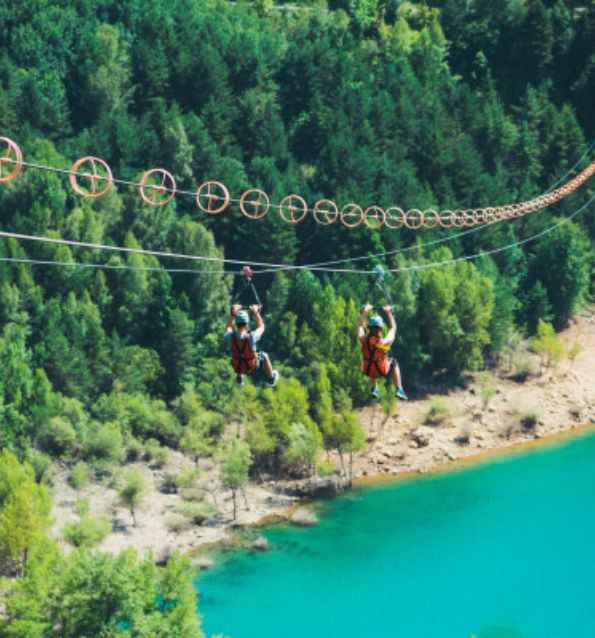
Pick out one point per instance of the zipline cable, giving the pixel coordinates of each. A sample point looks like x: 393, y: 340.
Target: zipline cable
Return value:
x: 331, y: 270
x: 82, y: 264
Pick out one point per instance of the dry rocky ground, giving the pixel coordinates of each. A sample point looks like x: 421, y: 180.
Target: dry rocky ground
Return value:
x: 401, y: 442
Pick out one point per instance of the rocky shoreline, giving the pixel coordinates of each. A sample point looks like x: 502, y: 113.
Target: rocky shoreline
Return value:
x: 433, y: 433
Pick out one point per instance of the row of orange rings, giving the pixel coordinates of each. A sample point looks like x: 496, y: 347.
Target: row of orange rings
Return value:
x: 157, y: 187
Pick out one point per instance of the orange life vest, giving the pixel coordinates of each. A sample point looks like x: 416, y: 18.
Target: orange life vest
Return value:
x: 243, y: 356
x: 375, y: 361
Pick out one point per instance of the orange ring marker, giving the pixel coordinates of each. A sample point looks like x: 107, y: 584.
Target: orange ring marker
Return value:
x: 153, y: 193
x: 257, y: 200
x: 293, y: 209
x: 212, y: 198
x: 431, y: 218
x: 414, y: 219
x: 394, y: 217
x: 352, y: 215
x: 94, y: 177
x: 324, y: 216
x: 374, y: 217
x: 446, y: 218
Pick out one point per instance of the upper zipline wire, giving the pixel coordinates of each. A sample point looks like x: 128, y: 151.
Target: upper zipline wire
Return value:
x: 280, y: 267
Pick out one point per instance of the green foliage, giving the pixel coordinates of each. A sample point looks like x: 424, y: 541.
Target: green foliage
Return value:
x: 103, y: 445
x: 156, y: 453
x: 325, y: 467
x: 42, y: 466
x: 79, y: 476
x: 94, y: 594
x: 487, y: 388
x: 132, y: 489
x: 197, y: 512
x: 547, y: 345
x: 439, y: 410
x: 187, y: 478
x: 236, y: 465
x: 88, y: 532
x: 304, y: 446
x: 24, y: 511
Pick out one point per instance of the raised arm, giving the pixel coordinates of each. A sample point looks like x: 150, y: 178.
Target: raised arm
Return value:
x: 361, y: 331
x: 232, y: 314
x: 392, y: 332
x: 259, y: 322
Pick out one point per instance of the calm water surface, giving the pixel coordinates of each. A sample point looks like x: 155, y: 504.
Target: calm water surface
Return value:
x: 502, y: 550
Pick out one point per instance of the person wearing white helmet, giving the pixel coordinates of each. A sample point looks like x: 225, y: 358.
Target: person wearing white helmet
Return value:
x: 376, y: 362
x: 242, y: 343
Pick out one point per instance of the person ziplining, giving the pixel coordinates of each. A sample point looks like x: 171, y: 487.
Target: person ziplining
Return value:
x: 242, y: 342
x: 376, y: 360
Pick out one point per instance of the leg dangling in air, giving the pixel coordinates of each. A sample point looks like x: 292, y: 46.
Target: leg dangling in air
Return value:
x: 395, y: 377
x: 272, y: 375
x: 375, y: 391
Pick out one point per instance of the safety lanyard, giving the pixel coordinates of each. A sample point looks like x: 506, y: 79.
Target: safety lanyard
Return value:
x: 247, y: 283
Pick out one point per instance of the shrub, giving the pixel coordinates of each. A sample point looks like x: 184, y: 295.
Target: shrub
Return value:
x: 576, y: 410
x: 177, y: 523
x: 134, y: 450
x: 155, y: 452
x: 547, y: 345
x: 88, y: 532
x: 132, y: 490
x: 42, y: 466
x: 528, y: 416
x: 79, y: 476
x: 523, y: 366
x: 507, y: 428
x: 575, y: 349
x: 198, y: 513
x: 169, y: 485
x: 326, y: 467
x: 192, y: 493
x: 187, y: 478
x: 438, y: 412
x: 82, y: 507
x: 463, y: 435
x: 104, y: 443
x: 58, y: 436
x: 487, y: 388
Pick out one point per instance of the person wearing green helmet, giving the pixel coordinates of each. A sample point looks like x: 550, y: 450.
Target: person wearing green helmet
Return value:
x: 242, y: 343
x: 376, y: 362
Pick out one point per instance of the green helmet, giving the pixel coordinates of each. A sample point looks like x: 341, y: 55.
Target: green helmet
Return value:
x: 242, y: 317
x: 375, y: 321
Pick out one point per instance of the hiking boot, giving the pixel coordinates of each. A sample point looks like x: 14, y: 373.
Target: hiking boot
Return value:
x: 375, y: 392
x: 400, y: 394
x: 240, y: 379
x: 273, y: 380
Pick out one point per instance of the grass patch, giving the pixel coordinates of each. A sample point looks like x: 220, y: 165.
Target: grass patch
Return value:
x: 438, y: 412
x: 197, y: 512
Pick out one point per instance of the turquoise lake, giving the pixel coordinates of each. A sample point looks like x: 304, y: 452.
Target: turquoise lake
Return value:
x: 504, y: 549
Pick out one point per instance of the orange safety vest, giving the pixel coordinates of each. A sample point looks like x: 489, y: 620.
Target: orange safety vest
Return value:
x: 375, y: 361
x: 243, y: 357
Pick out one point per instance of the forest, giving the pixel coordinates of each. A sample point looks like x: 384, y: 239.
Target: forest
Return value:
x: 422, y: 105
